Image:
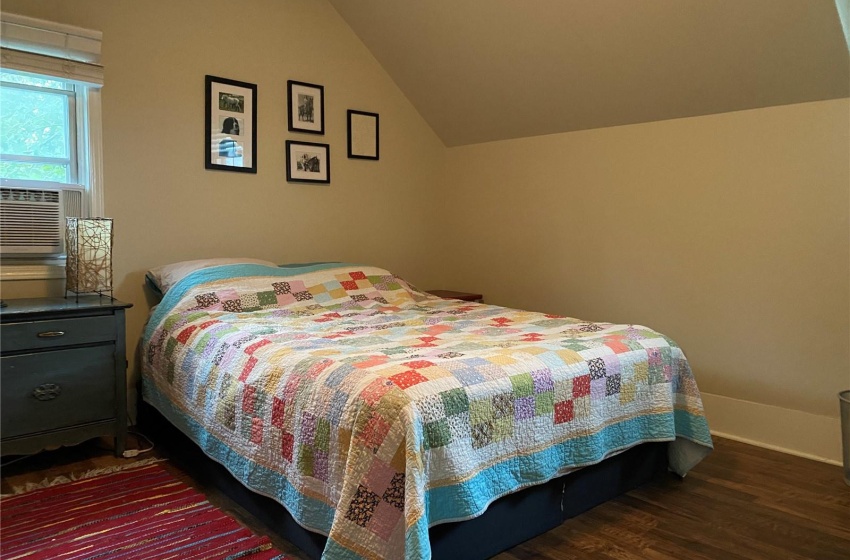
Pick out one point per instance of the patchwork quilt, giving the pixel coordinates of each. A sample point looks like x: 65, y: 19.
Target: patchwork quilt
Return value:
x: 372, y: 411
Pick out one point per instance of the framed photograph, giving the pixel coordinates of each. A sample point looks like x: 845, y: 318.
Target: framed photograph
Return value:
x: 231, y: 125
x: 306, y: 107
x: 307, y: 162
x: 363, y: 135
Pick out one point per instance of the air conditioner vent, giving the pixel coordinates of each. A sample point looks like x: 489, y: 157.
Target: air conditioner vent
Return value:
x: 32, y: 221
x: 72, y: 204
x: 28, y: 195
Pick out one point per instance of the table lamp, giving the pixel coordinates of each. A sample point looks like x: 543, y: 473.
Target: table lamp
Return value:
x: 88, y: 245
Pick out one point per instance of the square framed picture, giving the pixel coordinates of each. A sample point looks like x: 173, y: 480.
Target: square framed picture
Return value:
x: 306, y: 107
x: 308, y: 162
x: 231, y: 125
x: 363, y: 137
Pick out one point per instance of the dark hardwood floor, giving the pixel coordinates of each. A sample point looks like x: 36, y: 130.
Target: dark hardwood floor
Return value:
x: 741, y: 502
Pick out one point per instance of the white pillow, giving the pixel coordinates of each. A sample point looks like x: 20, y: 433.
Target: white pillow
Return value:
x: 163, y: 277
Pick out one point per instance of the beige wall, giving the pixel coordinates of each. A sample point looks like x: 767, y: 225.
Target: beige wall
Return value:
x: 729, y: 233
x: 167, y: 207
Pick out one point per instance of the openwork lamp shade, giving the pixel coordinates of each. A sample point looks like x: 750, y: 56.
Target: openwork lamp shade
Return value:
x: 88, y: 244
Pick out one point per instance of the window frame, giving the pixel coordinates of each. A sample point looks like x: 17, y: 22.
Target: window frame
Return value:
x: 70, y: 54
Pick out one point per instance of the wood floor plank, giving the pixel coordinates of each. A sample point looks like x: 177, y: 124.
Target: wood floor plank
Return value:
x: 742, y: 502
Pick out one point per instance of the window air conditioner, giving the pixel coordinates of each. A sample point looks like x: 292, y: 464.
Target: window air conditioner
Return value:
x: 32, y: 220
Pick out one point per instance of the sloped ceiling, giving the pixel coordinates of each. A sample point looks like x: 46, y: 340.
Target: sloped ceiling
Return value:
x: 482, y: 70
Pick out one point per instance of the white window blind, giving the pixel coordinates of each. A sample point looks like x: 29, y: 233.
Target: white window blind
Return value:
x: 51, y: 49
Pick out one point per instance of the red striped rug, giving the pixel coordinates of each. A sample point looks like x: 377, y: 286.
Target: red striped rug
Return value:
x: 140, y: 513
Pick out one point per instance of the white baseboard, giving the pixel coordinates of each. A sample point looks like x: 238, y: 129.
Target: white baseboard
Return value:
x: 782, y: 429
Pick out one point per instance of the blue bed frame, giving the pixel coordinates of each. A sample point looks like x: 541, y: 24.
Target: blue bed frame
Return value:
x: 541, y: 508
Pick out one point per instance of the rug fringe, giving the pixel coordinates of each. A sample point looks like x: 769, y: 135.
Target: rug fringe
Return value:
x: 46, y: 483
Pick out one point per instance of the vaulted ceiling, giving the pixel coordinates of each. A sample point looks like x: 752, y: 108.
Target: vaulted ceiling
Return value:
x: 483, y: 70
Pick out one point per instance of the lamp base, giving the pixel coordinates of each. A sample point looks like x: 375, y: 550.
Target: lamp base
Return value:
x: 103, y: 293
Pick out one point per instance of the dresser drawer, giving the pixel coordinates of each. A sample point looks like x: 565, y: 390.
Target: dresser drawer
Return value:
x: 56, y: 389
x: 36, y: 335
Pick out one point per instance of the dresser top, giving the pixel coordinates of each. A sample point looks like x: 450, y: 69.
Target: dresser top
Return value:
x: 33, y: 307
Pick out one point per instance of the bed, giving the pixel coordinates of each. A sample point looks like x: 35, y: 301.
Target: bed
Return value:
x: 376, y: 413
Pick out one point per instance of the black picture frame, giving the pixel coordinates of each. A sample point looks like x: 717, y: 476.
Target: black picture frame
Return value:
x: 363, y: 135
x: 304, y: 116
x: 224, y: 149
x: 308, y: 162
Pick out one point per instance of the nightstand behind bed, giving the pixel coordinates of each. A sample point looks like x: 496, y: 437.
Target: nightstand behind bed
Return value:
x: 463, y: 296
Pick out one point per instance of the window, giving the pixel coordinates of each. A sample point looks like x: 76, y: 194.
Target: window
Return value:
x: 50, y: 139
x: 38, y: 138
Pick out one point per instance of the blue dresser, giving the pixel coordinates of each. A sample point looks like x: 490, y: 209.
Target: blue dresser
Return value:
x: 63, y: 369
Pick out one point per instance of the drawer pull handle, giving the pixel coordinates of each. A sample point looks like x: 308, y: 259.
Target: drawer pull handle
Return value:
x: 46, y: 391
x: 50, y: 334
